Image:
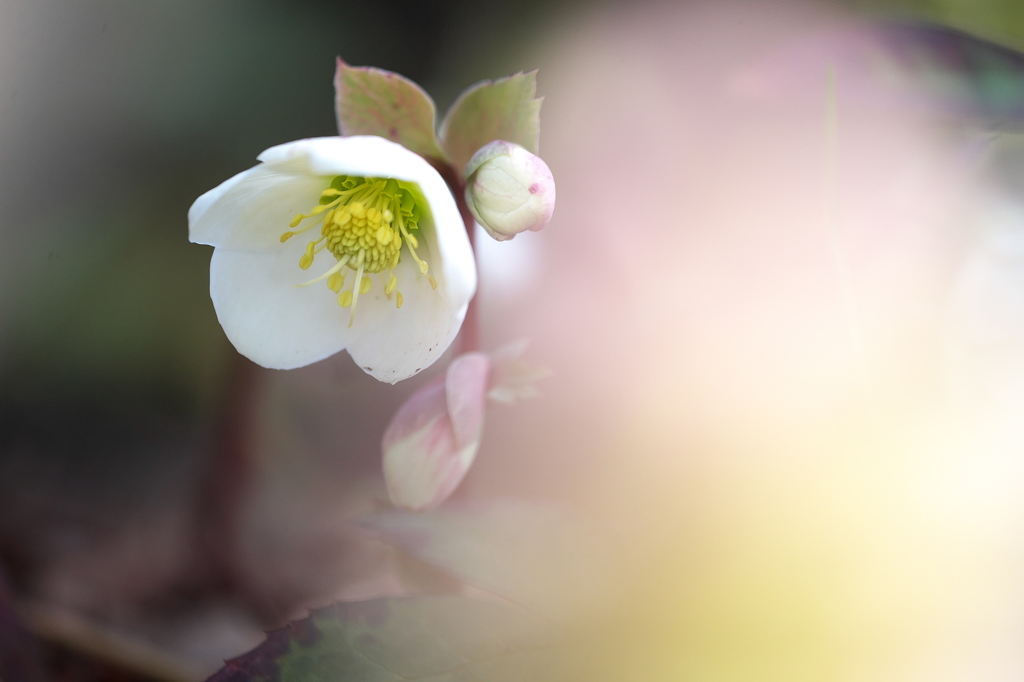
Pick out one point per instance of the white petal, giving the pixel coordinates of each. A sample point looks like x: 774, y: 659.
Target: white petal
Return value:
x: 362, y: 155
x: 270, y: 320
x: 251, y: 210
x: 392, y: 344
x: 452, y: 261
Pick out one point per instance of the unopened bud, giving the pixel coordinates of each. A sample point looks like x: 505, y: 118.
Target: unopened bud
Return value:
x: 509, y: 190
x: 433, y: 438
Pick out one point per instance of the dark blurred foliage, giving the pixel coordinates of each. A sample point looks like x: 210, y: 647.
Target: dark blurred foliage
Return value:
x: 1001, y: 21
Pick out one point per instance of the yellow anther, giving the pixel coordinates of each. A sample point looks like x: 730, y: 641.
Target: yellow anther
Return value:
x: 345, y: 299
x: 372, y: 215
x: 296, y: 220
x: 392, y: 283
x: 357, y: 209
x: 413, y: 242
x: 423, y: 266
x: 336, y: 281
x: 364, y: 285
x: 286, y: 236
x: 384, y: 234
x: 399, y: 299
x: 433, y: 282
x: 388, y: 216
x: 307, y: 258
x: 342, y: 217
x: 336, y: 270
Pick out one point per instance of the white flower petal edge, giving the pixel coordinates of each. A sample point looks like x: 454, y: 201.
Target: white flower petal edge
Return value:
x: 253, y: 275
x: 266, y: 317
x: 250, y: 210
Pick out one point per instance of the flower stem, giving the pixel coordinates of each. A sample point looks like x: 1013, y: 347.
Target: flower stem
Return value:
x: 222, y: 489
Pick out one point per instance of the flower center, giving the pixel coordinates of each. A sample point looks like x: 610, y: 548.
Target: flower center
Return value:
x: 364, y: 222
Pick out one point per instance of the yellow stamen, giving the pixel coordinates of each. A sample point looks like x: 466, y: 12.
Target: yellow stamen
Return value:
x: 345, y: 299
x: 364, y: 285
x: 356, y: 289
x: 307, y: 258
x: 398, y: 299
x: 334, y: 271
x: 336, y: 281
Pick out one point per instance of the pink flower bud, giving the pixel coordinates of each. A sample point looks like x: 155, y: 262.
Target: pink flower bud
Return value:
x: 433, y: 438
x: 509, y: 190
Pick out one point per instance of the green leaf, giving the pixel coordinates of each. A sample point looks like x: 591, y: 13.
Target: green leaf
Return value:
x: 373, y: 101
x: 503, y: 109
x: 429, y: 638
x: 541, y: 557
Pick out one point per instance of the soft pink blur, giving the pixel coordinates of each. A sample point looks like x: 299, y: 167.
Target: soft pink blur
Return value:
x: 750, y: 388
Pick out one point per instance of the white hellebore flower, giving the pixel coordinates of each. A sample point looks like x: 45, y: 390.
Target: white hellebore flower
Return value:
x: 322, y: 227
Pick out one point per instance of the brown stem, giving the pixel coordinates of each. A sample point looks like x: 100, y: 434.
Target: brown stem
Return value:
x: 229, y: 469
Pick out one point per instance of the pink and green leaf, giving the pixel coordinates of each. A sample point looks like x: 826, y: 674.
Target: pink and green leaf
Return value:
x: 503, y: 109
x: 371, y: 101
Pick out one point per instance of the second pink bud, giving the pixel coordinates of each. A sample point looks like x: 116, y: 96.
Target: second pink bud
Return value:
x: 433, y: 438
